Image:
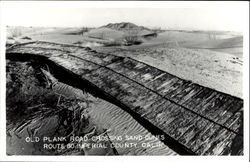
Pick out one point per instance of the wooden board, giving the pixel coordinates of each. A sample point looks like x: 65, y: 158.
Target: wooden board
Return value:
x: 236, y: 122
x: 79, y: 67
x: 64, y: 47
x: 101, y: 59
x: 36, y: 51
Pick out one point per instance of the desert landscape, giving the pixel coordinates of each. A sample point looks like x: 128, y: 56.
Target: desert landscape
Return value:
x: 217, y: 55
x: 41, y: 103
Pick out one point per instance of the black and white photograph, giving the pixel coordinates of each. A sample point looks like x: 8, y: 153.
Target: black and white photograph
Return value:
x: 124, y: 80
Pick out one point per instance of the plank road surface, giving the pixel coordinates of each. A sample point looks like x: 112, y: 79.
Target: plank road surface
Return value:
x: 205, y: 121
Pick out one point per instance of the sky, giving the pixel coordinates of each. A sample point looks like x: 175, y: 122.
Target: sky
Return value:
x: 220, y: 18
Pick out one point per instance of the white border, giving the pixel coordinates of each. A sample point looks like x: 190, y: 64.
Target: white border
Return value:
x: 127, y: 4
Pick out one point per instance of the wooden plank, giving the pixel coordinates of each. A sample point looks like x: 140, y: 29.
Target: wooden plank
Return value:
x: 218, y: 111
x: 201, y: 139
x: 117, y: 85
x: 206, y: 138
x: 177, y: 88
x: 97, y: 78
x: 133, y: 65
x: 167, y: 86
x: 223, y: 114
x: 83, y: 52
x: 111, y: 58
x: 137, y: 71
x: 147, y: 108
x: 236, y: 105
x: 169, y: 117
x: 151, y: 75
x: 215, y: 106
x: 201, y: 98
x: 236, y: 122
x: 75, y: 65
x: 188, y: 95
x: 220, y: 144
x: 182, y: 93
x: 180, y: 124
x: 236, y: 146
x: 101, y: 59
x: 116, y: 66
x: 191, y: 138
x: 102, y: 78
x: 125, y: 90
x: 165, y: 114
x: 153, y: 110
x: 141, y: 93
x: 147, y: 74
x: 141, y: 100
x: 64, y: 47
x: 136, y: 96
x: 36, y: 51
x: 124, y: 69
x: 210, y: 100
x: 128, y: 67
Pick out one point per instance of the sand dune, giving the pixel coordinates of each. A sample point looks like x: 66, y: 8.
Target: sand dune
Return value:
x: 216, y: 43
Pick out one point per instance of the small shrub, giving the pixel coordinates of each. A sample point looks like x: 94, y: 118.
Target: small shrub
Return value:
x: 116, y: 42
x: 132, y: 38
x: 26, y: 37
x: 78, y: 42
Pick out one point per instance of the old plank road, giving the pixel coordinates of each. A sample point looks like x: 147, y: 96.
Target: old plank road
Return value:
x: 203, y: 120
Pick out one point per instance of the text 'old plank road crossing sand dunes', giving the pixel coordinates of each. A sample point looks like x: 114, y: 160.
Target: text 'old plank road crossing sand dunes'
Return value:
x: 197, y: 119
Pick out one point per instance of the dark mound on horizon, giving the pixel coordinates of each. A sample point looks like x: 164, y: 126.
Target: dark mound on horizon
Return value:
x: 124, y: 26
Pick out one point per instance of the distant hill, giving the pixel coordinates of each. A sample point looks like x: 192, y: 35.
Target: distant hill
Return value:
x: 114, y: 31
x: 124, y: 26
x: 105, y: 33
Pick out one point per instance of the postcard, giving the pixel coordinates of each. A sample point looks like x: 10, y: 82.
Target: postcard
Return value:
x: 124, y: 81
